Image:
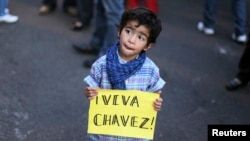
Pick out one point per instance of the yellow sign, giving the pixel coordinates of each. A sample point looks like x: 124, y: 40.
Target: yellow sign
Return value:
x: 128, y: 113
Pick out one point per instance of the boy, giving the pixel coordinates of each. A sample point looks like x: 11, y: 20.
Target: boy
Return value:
x: 125, y: 66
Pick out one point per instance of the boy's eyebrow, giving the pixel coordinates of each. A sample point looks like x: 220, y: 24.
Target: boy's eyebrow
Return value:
x: 128, y: 26
x: 143, y: 34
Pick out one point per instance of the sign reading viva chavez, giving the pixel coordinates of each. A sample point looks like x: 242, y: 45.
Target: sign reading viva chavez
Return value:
x: 128, y: 113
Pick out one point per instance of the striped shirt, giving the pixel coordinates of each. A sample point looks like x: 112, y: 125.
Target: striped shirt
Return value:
x: 146, y: 79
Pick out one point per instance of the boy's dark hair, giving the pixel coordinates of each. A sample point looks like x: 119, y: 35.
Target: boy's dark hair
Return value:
x: 144, y: 17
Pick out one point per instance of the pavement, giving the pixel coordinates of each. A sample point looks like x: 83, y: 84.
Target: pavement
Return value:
x: 41, y: 89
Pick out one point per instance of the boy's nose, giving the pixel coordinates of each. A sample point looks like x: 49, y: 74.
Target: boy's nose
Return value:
x: 132, y: 39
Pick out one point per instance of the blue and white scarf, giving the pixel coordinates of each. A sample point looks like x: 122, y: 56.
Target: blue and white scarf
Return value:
x: 117, y: 72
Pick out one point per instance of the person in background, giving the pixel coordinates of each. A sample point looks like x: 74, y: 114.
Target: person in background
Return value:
x: 108, y: 14
x: 207, y: 25
x: 5, y: 16
x: 48, y: 6
x: 243, y: 76
x: 150, y: 4
x: 126, y: 66
x: 85, y: 11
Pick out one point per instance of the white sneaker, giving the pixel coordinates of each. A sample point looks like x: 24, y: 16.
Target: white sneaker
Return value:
x: 241, y: 38
x: 8, y: 18
x: 207, y: 31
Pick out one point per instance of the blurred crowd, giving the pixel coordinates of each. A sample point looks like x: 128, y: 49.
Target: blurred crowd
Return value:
x: 107, y: 15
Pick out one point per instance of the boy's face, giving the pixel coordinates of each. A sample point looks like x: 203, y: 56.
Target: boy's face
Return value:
x: 133, y: 39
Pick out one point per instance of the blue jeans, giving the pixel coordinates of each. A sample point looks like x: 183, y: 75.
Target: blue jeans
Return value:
x: 85, y: 9
x: 3, y: 5
x: 239, y: 15
x: 108, y: 15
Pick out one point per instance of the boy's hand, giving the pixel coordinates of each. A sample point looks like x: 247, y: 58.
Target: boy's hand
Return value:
x: 158, y: 102
x: 90, y: 92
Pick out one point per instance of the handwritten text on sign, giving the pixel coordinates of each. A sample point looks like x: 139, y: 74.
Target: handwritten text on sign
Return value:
x: 127, y: 113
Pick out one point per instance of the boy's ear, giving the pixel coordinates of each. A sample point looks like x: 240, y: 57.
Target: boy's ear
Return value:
x: 148, y: 47
x: 118, y: 32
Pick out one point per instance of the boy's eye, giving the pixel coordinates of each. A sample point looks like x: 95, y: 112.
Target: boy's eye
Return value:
x: 142, y: 38
x: 128, y: 30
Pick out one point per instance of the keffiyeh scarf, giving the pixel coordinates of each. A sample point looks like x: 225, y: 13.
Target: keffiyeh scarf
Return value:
x: 117, y: 72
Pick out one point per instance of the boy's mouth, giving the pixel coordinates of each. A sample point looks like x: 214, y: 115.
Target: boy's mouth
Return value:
x: 127, y: 47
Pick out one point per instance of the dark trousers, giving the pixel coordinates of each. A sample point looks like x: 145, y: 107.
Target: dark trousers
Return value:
x: 85, y: 10
x: 244, y: 65
x: 53, y: 3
